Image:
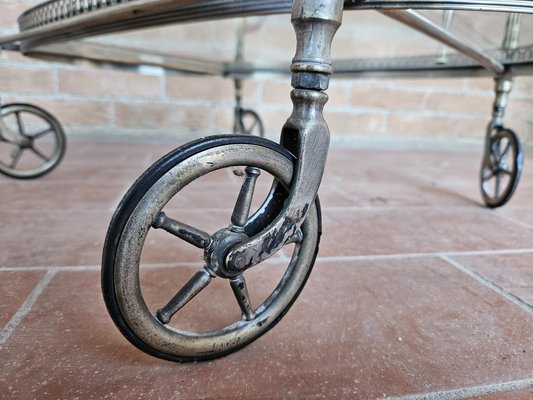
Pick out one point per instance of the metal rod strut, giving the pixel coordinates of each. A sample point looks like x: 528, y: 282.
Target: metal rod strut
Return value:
x: 424, y: 25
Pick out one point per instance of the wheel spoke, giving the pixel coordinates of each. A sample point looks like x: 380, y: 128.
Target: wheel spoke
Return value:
x: 297, y: 237
x: 497, y: 185
x: 505, y: 171
x: 20, y: 124
x: 39, y: 135
x: 242, y: 207
x: 498, y: 149
x: 493, y: 158
x: 15, y: 157
x: 190, y: 234
x: 506, y: 149
x: 240, y: 290
x: 38, y: 152
x: 196, y: 284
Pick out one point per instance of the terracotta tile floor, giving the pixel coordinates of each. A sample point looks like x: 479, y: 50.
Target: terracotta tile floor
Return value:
x: 419, y: 292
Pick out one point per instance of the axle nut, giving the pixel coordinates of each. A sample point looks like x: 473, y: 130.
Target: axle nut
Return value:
x: 240, y: 262
x: 308, y: 80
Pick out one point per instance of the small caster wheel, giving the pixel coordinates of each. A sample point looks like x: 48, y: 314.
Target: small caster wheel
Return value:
x: 249, y: 123
x: 501, y: 169
x: 190, y: 311
x: 38, y: 144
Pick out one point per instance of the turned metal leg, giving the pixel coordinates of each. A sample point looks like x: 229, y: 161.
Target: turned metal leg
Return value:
x: 245, y: 121
x: 305, y: 133
x: 502, y: 89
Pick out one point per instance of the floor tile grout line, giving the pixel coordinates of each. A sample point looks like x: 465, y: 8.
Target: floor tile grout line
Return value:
x: 325, y: 209
x: 515, y: 221
x: 48, y: 268
x: 465, y: 393
x: 403, y: 207
x: 422, y: 255
x: 281, y: 258
x: 26, y: 307
x: 487, y: 252
x: 489, y: 284
x: 81, y: 268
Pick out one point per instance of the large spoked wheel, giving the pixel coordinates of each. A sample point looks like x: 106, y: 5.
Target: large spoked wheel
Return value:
x: 501, y: 169
x: 161, y: 295
x: 249, y: 123
x: 39, y: 143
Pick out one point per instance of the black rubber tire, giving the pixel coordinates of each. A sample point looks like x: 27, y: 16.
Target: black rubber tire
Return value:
x: 125, y: 209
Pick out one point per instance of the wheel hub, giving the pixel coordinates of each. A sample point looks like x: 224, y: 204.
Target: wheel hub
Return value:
x: 222, y: 242
x: 26, y: 143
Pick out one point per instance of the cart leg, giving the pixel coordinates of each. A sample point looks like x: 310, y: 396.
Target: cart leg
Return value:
x: 503, y: 158
x: 245, y: 120
x: 305, y: 134
x: 238, y: 106
x: 502, y: 161
x: 288, y: 216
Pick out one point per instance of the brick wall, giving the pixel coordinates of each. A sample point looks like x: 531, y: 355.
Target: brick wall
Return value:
x: 122, y: 103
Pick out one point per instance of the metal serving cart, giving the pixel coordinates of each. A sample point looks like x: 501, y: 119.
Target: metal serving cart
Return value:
x: 288, y: 219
